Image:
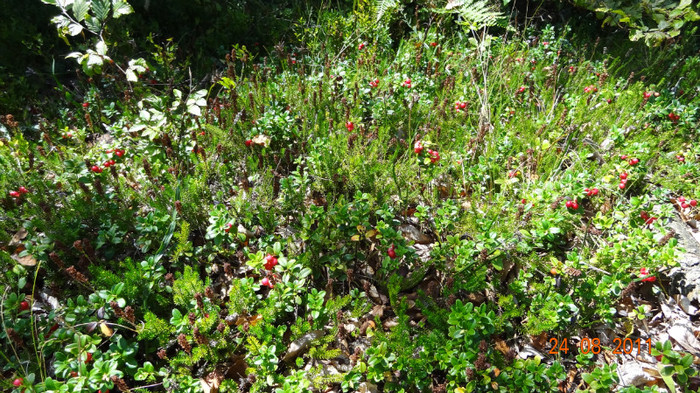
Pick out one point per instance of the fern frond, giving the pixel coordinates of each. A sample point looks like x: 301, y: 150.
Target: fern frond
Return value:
x: 475, y: 14
x: 384, y: 7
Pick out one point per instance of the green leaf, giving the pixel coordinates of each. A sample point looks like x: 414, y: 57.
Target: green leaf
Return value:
x: 120, y: 7
x: 93, y: 24
x: 80, y: 9
x: 101, y: 48
x: 101, y: 9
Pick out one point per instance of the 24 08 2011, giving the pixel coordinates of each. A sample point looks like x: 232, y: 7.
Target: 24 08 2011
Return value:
x: 592, y: 345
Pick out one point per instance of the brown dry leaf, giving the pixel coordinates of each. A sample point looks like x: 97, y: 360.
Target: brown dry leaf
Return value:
x: 27, y: 260
x: 539, y: 341
x: 210, y: 383
x: 378, y: 311
x: 255, y: 319
x: 18, y: 237
x: 496, y: 372
x: 502, y: 347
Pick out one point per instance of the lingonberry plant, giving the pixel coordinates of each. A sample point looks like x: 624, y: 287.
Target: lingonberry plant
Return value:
x: 387, y: 200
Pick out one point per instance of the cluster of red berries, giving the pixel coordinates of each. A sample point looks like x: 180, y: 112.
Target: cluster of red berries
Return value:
x: 361, y: 46
x: 522, y: 89
x: 644, y: 272
x: 674, y: 117
x: 460, y: 105
x: 590, y: 89
x: 350, y: 126
x: 680, y: 158
x: 418, y: 147
x: 623, y: 180
x: 647, y: 95
x: 20, y: 191
x: 270, y: 262
x: 686, y: 204
x: 249, y: 143
x: 391, y: 252
x: 591, y: 191
x: 433, y: 44
x: 17, y: 382
x: 406, y: 83
x: 573, y: 205
x: 434, y: 156
x: 374, y: 83
x: 648, y: 220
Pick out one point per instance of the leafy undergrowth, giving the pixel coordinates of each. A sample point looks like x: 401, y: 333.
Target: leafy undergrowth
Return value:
x: 351, y: 212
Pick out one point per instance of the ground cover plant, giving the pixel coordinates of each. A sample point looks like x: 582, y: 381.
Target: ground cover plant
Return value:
x: 400, y: 197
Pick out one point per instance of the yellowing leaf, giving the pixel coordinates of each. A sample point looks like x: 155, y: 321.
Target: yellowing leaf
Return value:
x: 106, y: 330
x: 355, y: 238
x: 371, y: 233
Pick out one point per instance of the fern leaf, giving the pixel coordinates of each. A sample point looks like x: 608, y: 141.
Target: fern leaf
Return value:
x: 473, y: 13
x: 384, y: 7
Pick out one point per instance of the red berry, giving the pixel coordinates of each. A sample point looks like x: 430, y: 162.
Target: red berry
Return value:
x: 523, y: 201
x: 23, y: 190
x: 574, y: 205
x: 14, y: 194
x: 88, y: 357
x: 623, y: 175
x: 119, y: 152
x: 266, y: 282
x: 228, y: 227
x: 693, y: 203
x: 623, y: 157
x: 433, y: 44
x: 270, y: 262
x: 249, y: 142
x: 634, y: 161
x: 350, y: 126
x: 23, y: 306
x: 684, y: 205
x: 73, y: 374
x: 18, y: 382
x: 391, y: 253
x: 681, y: 199
x: 86, y: 104
x: 96, y: 169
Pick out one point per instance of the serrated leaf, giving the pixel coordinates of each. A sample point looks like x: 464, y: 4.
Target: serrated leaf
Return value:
x: 93, y: 24
x: 101, y: 48
x: 74, y: 29
x: 131, y: 75
x: 120, y: 7
x: 80, y: 9
x: 101, y: 9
